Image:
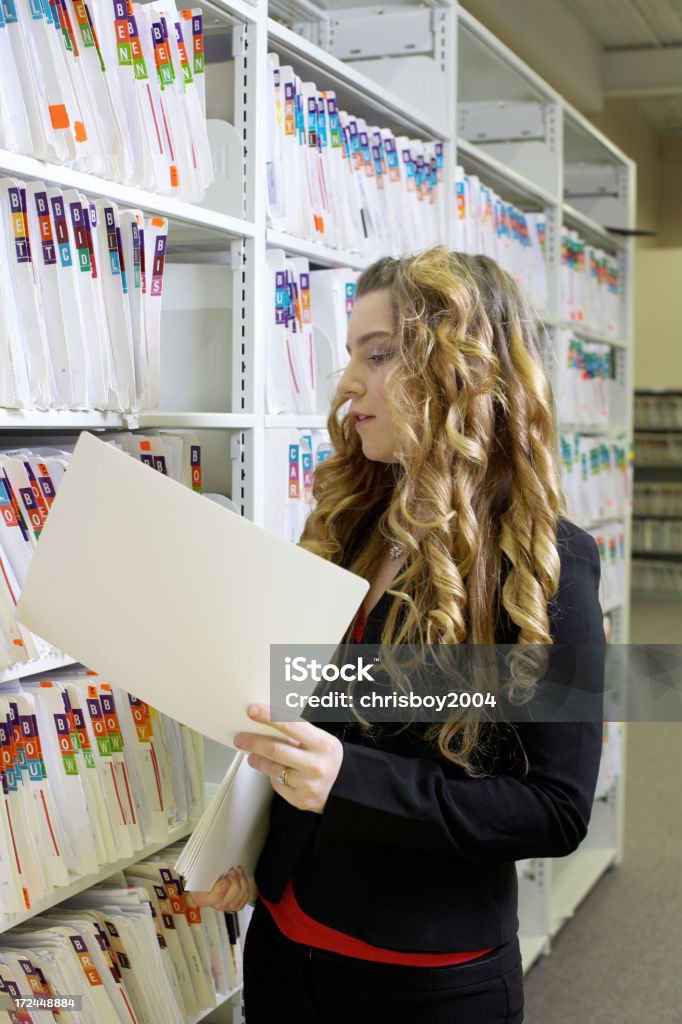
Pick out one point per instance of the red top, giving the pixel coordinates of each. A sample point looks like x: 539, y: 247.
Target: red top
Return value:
x: 297, y: 926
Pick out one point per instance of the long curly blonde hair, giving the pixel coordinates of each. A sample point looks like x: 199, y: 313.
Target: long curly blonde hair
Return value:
x: 476, y: 476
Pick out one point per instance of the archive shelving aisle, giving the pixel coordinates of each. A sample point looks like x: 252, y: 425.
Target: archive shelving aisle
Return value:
x: 657, y: 511
x: 425, y: 71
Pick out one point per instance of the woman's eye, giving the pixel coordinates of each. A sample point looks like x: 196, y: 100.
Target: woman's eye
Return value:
x: 381, y: 357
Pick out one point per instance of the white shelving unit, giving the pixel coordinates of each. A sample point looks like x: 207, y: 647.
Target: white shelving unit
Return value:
x: 428, y: 70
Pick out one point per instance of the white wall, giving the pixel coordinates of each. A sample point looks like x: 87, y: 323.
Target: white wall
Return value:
x: 658, y: 319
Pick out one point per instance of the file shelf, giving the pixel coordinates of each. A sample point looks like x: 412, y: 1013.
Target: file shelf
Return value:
x: 434, y: 73
x: 319, y: 254
x: 38, y: 667
x: 517, y: 188
x: 24, y: 167
x: 658, y: 572
x: 84, y: 882
x: 355, y: 92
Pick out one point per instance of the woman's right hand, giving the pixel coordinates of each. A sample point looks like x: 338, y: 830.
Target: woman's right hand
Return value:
x: 230, y: 893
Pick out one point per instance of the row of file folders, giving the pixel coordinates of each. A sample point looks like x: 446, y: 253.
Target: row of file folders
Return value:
x: 657, y: 576
x: 114, y: 89
x: 81, y: 287
x: 334, y: 178
x: 585, y: 380
x: 657, y: 535
x: 658, y: 499
x: 135, y: 950
x: 90, y: 776
x: 29, y: 481
x: 597, y: 475
x: 658, y: 449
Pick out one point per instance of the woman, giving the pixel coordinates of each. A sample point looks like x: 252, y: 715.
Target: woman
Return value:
x: 387, y: 884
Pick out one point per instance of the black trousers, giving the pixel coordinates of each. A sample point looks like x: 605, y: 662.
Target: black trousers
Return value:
x: 288, y: 983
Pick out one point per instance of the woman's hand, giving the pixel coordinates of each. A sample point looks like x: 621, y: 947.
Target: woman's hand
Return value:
x: 230, y: 893
x: 302, y: 764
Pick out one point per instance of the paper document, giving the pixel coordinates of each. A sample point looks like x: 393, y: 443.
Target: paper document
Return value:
x: 232, y: 829
x: 174, y: 598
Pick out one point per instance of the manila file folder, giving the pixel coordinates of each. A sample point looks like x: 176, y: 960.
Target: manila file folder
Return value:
x: 172, y: 597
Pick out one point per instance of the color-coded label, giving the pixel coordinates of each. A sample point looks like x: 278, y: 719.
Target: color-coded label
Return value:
x: 121, y: 261
x: 111, y: 722
x: 195, y: 463
x: 17, y: 204
x: 61, y: 722
x: 81, y: 731
x: 89, y: 969
x: 162, y: 56
x: 45, y: 229
x: 198, y: 44
x: 122, y: 32
x: 294, y: 472
x: 159, y: 262
x: 112, y: 241
x: 90, y: 221
x: 80, y: 237
x: 135, y: 232
x: 139, y: 63
x: 61, y: 231
x: 185, y: 67
x: 98, y: 725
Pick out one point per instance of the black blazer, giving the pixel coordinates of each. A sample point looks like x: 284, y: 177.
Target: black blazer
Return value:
x: 411, y: 854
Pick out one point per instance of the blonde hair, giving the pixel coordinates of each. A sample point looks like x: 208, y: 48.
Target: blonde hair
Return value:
x: 476, y: 474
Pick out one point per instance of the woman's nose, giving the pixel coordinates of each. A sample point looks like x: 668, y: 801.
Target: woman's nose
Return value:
x: 349, y: 383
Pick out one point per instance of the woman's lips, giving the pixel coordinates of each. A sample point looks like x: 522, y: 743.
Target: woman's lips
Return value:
x: 360, y: 421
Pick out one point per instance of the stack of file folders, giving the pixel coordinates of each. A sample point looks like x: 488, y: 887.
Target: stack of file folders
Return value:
x: 585, y: 370
x: 29, y: 480
x: 590, y: 285
x: 333, y: 178
x: 113, y: 89
x: 81, y: 287
x: 135, y: 950
x: 291, y: 457
x: 485, y: 223
x: 597, y: 475
x: 90, y: 775
x: 610, y: 540
x: 307, y: 328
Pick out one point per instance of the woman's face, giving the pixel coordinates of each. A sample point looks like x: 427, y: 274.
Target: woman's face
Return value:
x: 372, y: 346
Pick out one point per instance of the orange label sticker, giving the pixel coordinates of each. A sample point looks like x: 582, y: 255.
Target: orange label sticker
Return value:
x: 81, y: 134
x: 59, y: 116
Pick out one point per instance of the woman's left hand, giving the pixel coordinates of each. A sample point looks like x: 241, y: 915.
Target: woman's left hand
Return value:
x: 308, y: 757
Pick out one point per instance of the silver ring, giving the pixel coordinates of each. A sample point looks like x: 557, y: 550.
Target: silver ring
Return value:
x: 282, y: 777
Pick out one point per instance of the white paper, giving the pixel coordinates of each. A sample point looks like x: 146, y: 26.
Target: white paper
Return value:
x: 173, y: 597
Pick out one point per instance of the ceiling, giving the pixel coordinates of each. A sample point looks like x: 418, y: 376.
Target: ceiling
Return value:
x: 642, y: 44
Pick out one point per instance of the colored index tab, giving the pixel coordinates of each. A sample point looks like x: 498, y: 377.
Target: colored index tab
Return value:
x: 137, y: 277
x: 198, y: 43
x: 81, y: 731
x: 80, y: 237
x: 294, y: 474
x: 47, y: 240
x: 17, y: 203
x: 98, y: 724
x: 159, y: 263
x: 61, y: 231
x: 195, y: 463
x: 111, y: 721
x: 139, y: 63
x: 112, y: 241
x: 66, y: 749
x: 164, y: 66
x: 122, y: 31
x: 185, y: 67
